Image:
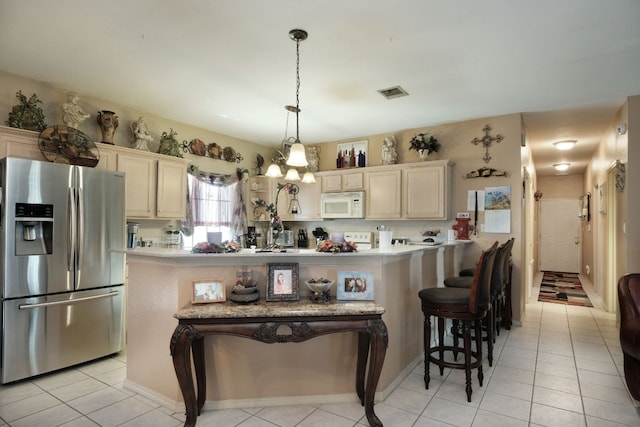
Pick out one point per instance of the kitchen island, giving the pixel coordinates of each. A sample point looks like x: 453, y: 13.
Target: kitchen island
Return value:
x: 250, y: 374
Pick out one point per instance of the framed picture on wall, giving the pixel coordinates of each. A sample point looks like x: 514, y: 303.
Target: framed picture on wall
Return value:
x: 208, y: 290
x: 359, y: 149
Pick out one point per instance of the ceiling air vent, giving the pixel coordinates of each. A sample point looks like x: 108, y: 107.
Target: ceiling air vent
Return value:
x: 393, y: 92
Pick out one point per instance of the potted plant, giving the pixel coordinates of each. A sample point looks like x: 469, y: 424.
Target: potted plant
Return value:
x: 424, y: 144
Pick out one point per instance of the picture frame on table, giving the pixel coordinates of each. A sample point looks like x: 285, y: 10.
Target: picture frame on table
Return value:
x: 282, y: 283
x: 355, y: 286
x: 208, y: 291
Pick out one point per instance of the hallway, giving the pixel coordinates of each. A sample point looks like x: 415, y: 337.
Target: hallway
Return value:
x: 562, y: 367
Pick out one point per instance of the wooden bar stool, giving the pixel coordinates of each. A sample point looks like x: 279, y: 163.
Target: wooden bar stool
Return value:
x: 499, y: 278
x: 466, y: 305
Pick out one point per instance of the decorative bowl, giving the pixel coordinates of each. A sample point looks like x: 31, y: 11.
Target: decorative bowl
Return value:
x: 320, y: 285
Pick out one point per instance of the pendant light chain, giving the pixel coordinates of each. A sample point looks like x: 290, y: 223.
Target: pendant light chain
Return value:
x: 297, y: 89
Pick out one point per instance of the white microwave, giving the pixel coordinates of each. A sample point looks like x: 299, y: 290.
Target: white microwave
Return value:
x: 342, y: 205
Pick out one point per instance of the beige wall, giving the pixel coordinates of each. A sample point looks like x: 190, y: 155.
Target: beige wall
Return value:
x: 53, y: 97
x: 454, y: 137
x: 456, y: 146
x: 619, y: 235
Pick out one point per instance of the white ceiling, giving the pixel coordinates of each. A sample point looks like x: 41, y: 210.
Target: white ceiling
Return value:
x: 229, y: 66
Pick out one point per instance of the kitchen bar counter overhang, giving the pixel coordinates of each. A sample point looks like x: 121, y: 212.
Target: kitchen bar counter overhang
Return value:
x: 243, y: 373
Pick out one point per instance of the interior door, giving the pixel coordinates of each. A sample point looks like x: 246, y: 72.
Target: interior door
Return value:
x: 560, y: 239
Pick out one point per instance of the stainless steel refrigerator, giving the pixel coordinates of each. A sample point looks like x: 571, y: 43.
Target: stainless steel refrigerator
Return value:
x: 62, y: 266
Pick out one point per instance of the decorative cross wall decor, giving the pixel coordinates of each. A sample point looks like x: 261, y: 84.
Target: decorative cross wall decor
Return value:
x: 486, y: 141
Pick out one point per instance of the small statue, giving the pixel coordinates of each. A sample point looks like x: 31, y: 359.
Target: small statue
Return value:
x: 389, y: 153
x: 141, y: 134
x: 108, y: 122
x: 72, y: 114
x: 313, y: 157
x: 259, y: 163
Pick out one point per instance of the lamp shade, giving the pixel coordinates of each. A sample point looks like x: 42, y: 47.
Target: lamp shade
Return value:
x: 561, y: 166
x: 308, y: 178
x: 297, y: 157
x: 292, y: 175
x: 274, y: 171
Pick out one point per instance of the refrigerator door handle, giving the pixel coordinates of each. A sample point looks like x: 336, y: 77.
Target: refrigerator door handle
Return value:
x: 80, y: 232
x: 71, y: 236
x: 70, y: 301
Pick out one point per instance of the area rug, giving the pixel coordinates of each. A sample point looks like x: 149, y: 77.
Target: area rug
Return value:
x: 563, y: 288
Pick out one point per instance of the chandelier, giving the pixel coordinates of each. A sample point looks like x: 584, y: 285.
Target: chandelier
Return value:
x: 296, y: 156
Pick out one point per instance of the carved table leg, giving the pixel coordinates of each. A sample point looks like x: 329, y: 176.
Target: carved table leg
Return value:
x: 180, y: 347
x: 197, y: 349
x: 379, y: 343
x: 364, y: 340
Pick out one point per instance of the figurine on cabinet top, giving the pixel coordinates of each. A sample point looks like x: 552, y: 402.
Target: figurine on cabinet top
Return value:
x: 72, y: 114
x: 313, y: 156
x: 141, y: 134
x: 389, y: 153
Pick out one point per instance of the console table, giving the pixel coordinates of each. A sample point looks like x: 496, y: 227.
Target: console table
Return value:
x: 278, y: 322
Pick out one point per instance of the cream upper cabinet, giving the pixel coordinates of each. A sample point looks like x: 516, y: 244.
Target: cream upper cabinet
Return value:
x: 383, y: 194
x: 19, y: 143
x: 141, y: 184
x: 342, y: 181
x: 332, y: 183
x: 409, y: 191
x: 108, y: 157
x: 172, y: 189
x: 426, y: 191
x: 309, y: 198
x: 156, y: 186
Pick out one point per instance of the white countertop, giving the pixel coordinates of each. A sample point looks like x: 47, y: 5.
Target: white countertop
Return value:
x: 394, y: 250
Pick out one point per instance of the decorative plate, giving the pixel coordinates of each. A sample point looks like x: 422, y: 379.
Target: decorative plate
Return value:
x: 229, y: 154
x: 198, y: 147
x: 213, y: 150
x: 64, y: 144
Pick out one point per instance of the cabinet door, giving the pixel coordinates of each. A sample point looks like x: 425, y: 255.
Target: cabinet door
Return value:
x: 172, y: 190
x: 352, y: 181
x: 141, y: 185
x: 424, y: 193
x: 309, y: 198
x: 332, y: 183
x: 383, y: 194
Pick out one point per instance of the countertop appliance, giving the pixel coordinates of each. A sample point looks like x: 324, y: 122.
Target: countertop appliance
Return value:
x: 285, y: 239
x: 342, y: 205
x: 364, y: 239
x: 62, y: 278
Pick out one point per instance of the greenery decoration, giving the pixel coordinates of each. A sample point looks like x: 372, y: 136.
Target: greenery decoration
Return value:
x: 27, y: 114
x: 169, y: 144
x: 424, y: 141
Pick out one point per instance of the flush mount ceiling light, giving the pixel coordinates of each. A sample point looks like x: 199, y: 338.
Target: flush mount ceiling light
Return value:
x: 297, y: 156
x: 562, y: 166
x: 565, y: 145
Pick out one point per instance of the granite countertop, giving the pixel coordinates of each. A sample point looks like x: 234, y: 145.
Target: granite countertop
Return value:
x: 277, y: 309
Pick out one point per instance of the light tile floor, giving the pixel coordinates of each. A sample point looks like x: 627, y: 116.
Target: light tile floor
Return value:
x: 561, y: 367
